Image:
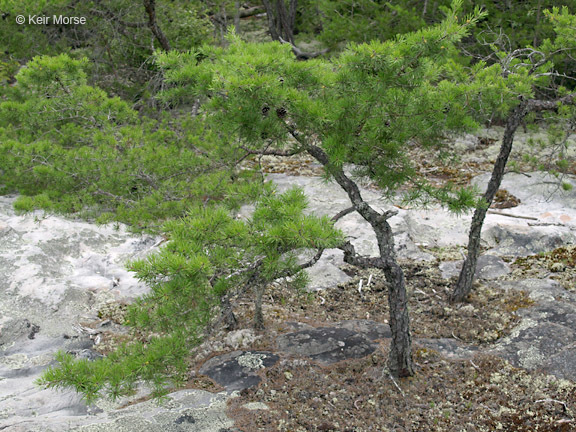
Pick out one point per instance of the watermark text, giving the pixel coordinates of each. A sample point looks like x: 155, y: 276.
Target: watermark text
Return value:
x: 50, y: 20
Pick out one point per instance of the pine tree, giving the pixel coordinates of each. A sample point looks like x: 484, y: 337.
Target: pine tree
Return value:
x: 529, y: 84
x: 67, y: 147
x: 369, y: 107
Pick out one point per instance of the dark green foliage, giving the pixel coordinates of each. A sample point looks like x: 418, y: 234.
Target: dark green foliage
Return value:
x: 68, y: 147
x: 367, y: 20
x: 209, y: 254
x: 368, y: 106
x: 160, y: 362
x: 116, y: 38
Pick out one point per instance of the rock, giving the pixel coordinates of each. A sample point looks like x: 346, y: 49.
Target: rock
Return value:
x: 535, y: 190
x: 539, y: 290
x: 240, y: 338
x: 371, y: 329
x: 532, y: 343
x: 523, y: 241
x: 185, y: 411
x: 54, y: 273
x: 435, y: 227
x: 326, y: 344
x: 554, y: 312
x: 450, y: 348
x: 326, y: 272
x: 15, y: 329
x: 544, y: 338
x: 406, y: 248
x: 237, y: 370
x: 87, y: 354
x: 533, y: 230
x: 466, y: 143
x: 488, y: 267
x: 562, y: 364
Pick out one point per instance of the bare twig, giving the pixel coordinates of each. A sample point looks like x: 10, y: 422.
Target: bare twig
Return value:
x: 511, y: 215
x: 396, y: 384
x: 553, y: 401
x: 343, y: 213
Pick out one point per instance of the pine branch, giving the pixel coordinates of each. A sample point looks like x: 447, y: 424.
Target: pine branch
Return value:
x: 536, y: 105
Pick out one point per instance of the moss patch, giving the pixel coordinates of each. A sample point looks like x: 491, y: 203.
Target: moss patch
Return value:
x: 558, y: 264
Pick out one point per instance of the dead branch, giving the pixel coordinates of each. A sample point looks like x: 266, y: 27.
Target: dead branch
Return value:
x: 301, y: 55
x: 511, y: 215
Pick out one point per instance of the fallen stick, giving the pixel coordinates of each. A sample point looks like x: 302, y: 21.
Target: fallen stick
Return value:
x: 511, y: 215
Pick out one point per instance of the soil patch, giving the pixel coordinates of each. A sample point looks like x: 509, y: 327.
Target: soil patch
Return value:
x: 483, y: 394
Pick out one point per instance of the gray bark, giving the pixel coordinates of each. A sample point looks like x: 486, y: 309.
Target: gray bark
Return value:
x: 515, y: 119
x: 466, y: 278
x: 237, y: 16
x: 400, y: 356
x: 150, y: 7
x: 258, y: 322
x: 281, y: 20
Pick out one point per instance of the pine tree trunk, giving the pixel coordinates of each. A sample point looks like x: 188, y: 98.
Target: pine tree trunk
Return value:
x: 281, y: 20
x: 150, y: 7
x: 400, y: 357
x: 466, y: 278
x: 424, y: 8
x: 228, y: 318
x: 237, y: 16
x: 258, y: 322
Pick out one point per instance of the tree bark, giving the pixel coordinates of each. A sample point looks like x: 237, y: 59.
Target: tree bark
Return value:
x: 424, y: 8
x: 280, y: 19
x: 466, y: 277
x: 237, y: 16
x: 258, y: 322
x: 150, y: 7
x: 400, y: 356
x: 228, y: 318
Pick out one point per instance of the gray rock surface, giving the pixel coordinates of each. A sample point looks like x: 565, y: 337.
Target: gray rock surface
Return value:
x: 545, y: 338
x: 348, y: 339
x: 545, y: 219
x: 370, y: 329
x: 525, y: 240
x: 185, y: 411
x: 326, y: 344
x: 237, y: 370
x: 450, y: 348
x: 54, y: 274
x: 488, y: 267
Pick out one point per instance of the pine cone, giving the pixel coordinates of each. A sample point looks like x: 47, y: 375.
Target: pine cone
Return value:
x: 281, y: 112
